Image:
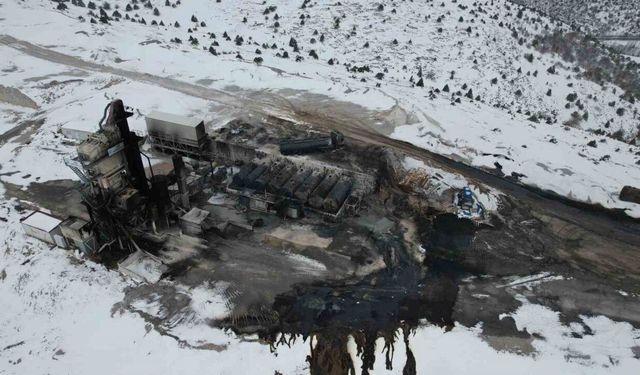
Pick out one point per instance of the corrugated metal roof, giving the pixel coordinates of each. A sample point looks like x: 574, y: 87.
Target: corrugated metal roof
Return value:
x: 42, y: 221
x: 191, y: 122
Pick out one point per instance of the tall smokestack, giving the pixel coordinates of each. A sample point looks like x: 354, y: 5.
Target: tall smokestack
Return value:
x: 181, y: 175
x: 118, y: 118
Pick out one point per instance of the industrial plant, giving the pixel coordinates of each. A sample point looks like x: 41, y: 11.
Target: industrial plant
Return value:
x: 143, y: 205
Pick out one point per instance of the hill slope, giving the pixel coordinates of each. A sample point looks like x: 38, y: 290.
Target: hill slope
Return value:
x: 463, y: 78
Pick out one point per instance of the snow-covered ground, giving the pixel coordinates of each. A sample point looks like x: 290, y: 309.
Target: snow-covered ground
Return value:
x: 60, y: 316
x: 58, y: 312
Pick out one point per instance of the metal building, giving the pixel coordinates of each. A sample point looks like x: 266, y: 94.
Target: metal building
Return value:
x: 78, y: 232
x: 176, y: 134
x: 45, y: 228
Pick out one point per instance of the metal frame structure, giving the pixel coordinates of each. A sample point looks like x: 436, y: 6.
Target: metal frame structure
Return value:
x: 272, y: 199
x: 177, y: 146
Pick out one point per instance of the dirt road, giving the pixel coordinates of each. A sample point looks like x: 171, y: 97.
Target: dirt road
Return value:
x: 608, y: 243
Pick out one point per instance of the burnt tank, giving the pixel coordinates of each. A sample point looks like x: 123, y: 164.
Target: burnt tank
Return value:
x: 320, y: 193
x: 303, y: 192
x: 338, y: 194
x: 260, y: 184
x: 160, y: 197
x: 255, y: 173
x: 295, y: 182
x: 240, y: 178
x: 281, y: 179
x: 309, y: 145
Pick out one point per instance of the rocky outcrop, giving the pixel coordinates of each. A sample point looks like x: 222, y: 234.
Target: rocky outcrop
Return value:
x: 630, y: 194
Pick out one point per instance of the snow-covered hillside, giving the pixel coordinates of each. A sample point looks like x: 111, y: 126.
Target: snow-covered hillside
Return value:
x: 468, y: 46
x: 383, y: 64
x: 449, y: 76
x: 602, y: 18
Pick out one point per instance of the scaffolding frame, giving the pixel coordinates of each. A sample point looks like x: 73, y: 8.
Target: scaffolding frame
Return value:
x: 180, y: 146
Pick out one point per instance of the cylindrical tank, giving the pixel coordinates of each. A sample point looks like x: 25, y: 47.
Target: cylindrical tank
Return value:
x: 338, y: 195
x: 302, y: 193
x: 294, y: 183
x: 281, y: 179
x: 260, y: 184
x: 255, y: 173
x: 303, y: 146
x: 321, y: 192
x: 160, y: 189
x: 239, y: 178
x: 160, y: 196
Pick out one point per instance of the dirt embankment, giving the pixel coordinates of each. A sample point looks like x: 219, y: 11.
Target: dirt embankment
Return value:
x: 59, y: 196
x: 13, y: 96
